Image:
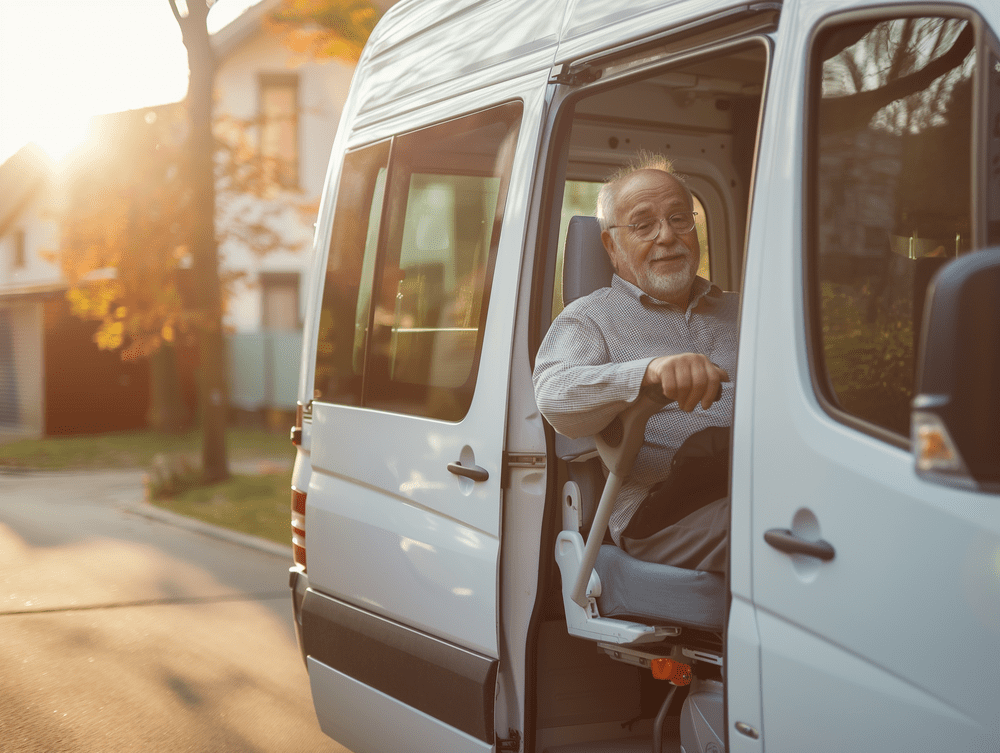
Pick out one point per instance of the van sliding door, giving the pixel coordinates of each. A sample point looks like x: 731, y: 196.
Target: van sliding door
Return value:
x: 403, y: 510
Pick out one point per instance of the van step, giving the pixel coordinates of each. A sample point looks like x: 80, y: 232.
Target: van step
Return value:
x: 671, y: 744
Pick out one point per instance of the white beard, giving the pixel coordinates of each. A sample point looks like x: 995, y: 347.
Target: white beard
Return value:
x: 666, y: 285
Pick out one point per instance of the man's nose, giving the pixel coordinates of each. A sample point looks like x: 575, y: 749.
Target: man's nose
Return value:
x: 665, y: 233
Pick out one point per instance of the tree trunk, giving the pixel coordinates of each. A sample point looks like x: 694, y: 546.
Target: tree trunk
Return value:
x: 212, y: 396
x: 167, y: 409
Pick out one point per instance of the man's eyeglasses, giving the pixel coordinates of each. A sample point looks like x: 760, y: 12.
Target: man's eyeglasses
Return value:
x: 646, y: 230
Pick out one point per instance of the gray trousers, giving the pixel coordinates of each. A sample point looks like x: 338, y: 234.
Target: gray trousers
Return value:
x: 696, y: 542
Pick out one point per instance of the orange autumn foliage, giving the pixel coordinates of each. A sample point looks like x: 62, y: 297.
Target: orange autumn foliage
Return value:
x: 125, y: 216
x: 325, y: 28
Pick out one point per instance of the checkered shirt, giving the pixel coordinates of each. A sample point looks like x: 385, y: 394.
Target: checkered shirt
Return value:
x: 592, y: 360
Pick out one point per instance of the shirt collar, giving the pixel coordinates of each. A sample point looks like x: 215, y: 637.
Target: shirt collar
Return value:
x: 701, y: 288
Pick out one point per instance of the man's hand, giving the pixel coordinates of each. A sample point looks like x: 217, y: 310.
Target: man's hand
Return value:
x: 688, y: 378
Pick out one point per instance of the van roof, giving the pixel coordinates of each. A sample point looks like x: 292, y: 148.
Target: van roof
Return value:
x: 421, y: 45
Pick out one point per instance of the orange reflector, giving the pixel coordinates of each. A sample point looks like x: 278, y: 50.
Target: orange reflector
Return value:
x: 298, y: 501
x: 298, y: 527
x: 668, y: 669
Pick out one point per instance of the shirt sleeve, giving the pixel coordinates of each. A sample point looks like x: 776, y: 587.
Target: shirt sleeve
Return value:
x: 577, y: 387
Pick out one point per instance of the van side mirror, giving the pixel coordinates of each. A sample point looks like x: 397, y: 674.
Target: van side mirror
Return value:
x: 955, y: 416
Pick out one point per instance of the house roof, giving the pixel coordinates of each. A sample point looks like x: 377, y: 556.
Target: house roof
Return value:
x: 242, y: 28
x: 21, y: 175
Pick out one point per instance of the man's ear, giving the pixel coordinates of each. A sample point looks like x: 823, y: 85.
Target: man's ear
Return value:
x: 611, y: 247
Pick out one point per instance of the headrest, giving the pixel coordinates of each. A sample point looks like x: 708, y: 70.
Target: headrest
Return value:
x: 586, y: 265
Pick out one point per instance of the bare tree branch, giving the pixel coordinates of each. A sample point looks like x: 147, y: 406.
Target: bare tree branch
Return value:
x: 855, y: 110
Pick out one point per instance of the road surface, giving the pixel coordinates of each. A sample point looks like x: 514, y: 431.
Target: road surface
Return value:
x: 122, y: 633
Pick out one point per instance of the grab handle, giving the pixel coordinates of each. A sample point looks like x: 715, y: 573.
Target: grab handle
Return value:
x: 784, y: 540
x: 618, y: 448
x: 469, y: 471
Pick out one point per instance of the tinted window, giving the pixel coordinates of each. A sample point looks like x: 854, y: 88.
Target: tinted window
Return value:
x: 891, y: 198
x: 350, y: 267
x: 447, y: 189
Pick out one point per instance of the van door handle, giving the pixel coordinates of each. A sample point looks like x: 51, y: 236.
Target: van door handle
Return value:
x: 471, y: 471
x: 784, y: 540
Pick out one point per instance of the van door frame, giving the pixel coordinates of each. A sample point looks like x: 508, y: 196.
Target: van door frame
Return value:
x: 571, y: 81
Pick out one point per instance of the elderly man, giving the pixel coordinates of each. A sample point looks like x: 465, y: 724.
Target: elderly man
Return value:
x: 658, y: 324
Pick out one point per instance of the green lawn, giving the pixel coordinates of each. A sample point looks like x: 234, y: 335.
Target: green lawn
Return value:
x: 257, y: 505
x: 134, y: 449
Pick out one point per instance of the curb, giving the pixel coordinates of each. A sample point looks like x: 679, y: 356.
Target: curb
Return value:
x: 146, y: 510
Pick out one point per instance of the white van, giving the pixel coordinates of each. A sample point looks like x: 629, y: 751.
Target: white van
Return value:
x: 842, y: 152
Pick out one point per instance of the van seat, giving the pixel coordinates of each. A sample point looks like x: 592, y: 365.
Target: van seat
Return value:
x: 627, y: 593
x: 586, y: 265
x: 651, y: 592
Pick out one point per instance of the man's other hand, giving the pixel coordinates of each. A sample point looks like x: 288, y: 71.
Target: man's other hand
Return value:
x: 688, y: 378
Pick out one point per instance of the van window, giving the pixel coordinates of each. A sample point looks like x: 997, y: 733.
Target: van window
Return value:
x: 447, y: 189
x: 343, y: 317
x: 405, y: 298
x: 891, y: 199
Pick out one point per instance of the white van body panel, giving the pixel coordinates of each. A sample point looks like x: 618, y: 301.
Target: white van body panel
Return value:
x: 388, y: 725
x: 421, y: 565
x: 591, y: 26
x: 381, y: 492
x: 427, y: 52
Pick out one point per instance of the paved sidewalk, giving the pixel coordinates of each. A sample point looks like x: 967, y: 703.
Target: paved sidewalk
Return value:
x: 127, y: 634
x: 126, y: 490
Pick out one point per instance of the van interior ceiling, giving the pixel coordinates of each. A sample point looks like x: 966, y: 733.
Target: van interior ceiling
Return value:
x: 703, y: 114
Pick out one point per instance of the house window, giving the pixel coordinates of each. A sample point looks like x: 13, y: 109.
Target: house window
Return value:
x: 279, y: 300
x: 19, y: 256
x: 279, y: 128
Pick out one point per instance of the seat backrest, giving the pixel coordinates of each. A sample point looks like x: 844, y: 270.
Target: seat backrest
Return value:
x: 586, y: 265
x: 586, y: 268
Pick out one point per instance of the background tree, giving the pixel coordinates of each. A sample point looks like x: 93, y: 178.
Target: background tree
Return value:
x: 327, y: 28
x: 126, y: 208
x: 253, y: 209
x: 212, y: 399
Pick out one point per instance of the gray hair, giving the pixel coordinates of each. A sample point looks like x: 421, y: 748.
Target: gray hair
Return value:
x: 643, y: 160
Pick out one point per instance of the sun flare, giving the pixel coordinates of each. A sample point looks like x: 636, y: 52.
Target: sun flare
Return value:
x: 63, y: 62
x: 59, y: 138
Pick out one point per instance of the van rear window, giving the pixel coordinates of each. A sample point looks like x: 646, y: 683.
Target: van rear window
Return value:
x: 350, y: 268
x: 409, y: 334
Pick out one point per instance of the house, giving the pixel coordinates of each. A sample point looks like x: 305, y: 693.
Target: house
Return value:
x: 286, y: 109
x: 53, y: 379
x: 293, y: 107
x: 27, y: 282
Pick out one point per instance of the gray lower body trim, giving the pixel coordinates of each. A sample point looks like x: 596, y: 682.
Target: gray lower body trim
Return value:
x: 448, y: 682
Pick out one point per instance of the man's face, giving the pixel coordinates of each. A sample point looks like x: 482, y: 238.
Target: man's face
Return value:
x: 664, y: 267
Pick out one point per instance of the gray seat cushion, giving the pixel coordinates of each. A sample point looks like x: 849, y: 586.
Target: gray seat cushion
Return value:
x: 659, y: 594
